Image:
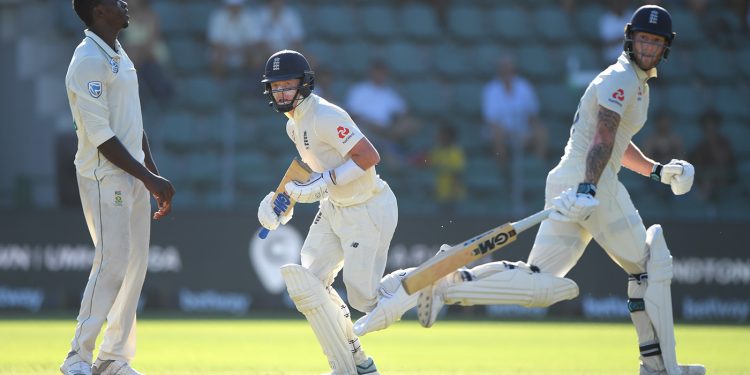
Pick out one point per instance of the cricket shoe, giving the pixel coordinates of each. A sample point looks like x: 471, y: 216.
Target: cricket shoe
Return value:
x: 365, y: 368
x: 686, y: 370
x: 394, y: 302
x: 432, y: 298
x: 74, y: 365
x: 113, y: 367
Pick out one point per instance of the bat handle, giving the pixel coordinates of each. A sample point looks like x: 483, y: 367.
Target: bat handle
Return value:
x: 522, y: 225
x: 263, y: 233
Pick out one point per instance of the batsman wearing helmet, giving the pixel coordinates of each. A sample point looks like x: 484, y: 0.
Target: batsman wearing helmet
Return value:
x: 356, y: 219
x: 591, y: 203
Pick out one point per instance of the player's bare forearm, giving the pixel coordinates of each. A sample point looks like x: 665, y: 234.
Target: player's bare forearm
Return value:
x: 115, y: 152
x: 601, y: 149
x: 364, y: 154
x: 149, y: 160
x: 636, y: 161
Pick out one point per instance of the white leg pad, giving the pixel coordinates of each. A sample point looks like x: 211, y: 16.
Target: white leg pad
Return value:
x: 312, y: 299
x: 503, y: 283
x: 658, y: 296
x: 648, y: 343
x: 393, y: 303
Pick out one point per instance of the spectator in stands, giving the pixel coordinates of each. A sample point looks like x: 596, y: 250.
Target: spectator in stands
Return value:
x: 382, y: 113
x: 448, y: 162
x: 511, y: 113
x: 610, y: 28
x: 663, y: 144
x: 280, y: 27
x: 147, y: 49
x: 714, y: 157
x: 234, y: 37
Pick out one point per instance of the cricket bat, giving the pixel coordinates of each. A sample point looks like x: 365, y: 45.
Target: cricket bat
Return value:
x: 282, y: 204
x: 468, y: 251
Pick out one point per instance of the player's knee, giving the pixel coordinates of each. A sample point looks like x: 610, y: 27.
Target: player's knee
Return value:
x: 550, y: 289
x: 659, y: 264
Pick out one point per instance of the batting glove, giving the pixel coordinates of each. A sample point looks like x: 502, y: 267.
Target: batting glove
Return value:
x: 682, y: 183
x: 269, y: 210
x: 575, y: 205
x: 312, y: 190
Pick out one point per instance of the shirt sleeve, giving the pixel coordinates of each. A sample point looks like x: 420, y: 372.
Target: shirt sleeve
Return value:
x: 338, y: 130
x: 615, y: 91
x: 89, y: 82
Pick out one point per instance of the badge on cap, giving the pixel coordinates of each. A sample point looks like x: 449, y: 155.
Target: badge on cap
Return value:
x: 95, y: 89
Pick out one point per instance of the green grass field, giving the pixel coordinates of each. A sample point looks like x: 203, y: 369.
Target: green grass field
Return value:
x: 276, y: 347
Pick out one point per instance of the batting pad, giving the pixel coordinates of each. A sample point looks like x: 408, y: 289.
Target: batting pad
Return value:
x: 312, y: 300
x: 658, y: 297
x: 497, y: 284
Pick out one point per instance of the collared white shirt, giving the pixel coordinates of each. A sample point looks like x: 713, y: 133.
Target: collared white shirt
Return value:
x: 623, y: 89
x: 102, y: 90
x: 236, y: 32
x: 513, y: 108
x: 324, y: 134
x: 378, y: 104
x: 281, y: 32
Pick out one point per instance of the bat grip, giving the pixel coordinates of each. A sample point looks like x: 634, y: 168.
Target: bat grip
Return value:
x: 263, y: 233
x: 523, y: 224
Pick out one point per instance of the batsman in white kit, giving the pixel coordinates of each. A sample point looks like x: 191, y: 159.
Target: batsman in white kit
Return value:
x: 355, y: 222
x: 116, y: 176
x: 588, y: 202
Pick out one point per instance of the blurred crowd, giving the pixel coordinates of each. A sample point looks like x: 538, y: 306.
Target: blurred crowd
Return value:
x: 509, y: 139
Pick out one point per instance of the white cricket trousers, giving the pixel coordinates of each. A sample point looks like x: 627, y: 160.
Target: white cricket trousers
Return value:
x: 615, y: 225
x: 117, y: 209
x: 356, y: 238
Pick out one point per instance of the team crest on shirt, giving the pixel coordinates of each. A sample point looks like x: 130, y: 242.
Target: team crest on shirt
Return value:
x: 95, y: 89
x: 118, y: 198
x: 115, y: 65
x: 305, y: 140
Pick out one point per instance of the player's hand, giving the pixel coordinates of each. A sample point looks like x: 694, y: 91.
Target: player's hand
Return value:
x: 162, y: 191
x: 571, y: 206
x: 312, y: 190
x: 267, y: 217
x: 683, y: 182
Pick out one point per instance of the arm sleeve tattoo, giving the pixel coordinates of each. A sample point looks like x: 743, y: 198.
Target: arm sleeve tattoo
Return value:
x: 604, y: 140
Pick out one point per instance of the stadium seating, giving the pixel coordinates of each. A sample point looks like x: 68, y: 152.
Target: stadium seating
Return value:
x: 440, y: 67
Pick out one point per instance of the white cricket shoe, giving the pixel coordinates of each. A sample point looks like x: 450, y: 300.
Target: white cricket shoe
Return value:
x: 686, y: 370
x: 74, y: 365
x: 365, y: 368
x: 432, y: 298
x: 392, y: 305
x: 113, y: 367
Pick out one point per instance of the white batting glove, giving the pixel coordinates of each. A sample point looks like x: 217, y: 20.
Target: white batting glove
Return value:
x: 571, y: 206
x: 682, y: 183
x: 266, y: 216
x: 312, y: 190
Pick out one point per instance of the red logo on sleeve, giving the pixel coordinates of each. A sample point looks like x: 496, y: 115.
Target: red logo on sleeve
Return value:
x: 343, y: 132
x: 619, y: 94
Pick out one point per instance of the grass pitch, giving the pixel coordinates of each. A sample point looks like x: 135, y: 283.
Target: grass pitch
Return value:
x: 288, y: 347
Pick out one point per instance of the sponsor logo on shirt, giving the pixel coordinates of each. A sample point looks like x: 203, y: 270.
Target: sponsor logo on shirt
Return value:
x: 115, y: 65
x: 617, y: 97
x: 95, y: 89
x: 344, y: 134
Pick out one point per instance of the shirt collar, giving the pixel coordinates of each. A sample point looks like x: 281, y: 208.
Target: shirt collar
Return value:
x: 303, y: 107
x: 103, y: 45
x: 643, y: 75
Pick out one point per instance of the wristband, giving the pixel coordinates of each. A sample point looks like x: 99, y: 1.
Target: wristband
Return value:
x: 344, y: 173
x: 656, y: 172
x: 586, y: 188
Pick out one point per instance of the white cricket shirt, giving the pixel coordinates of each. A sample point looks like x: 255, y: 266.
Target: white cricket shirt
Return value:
x: 324, y: 134
x: 103, y: 95
x: 621, y: 88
